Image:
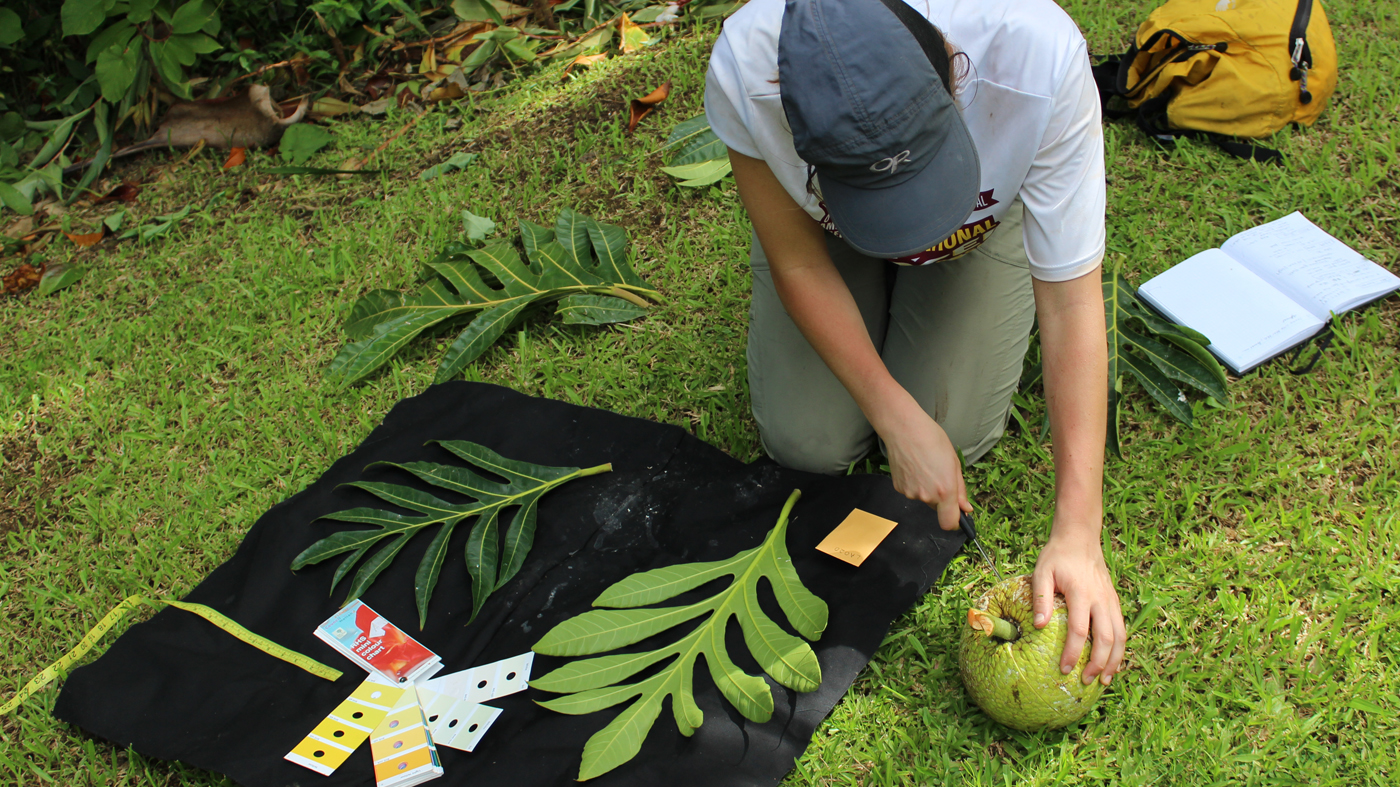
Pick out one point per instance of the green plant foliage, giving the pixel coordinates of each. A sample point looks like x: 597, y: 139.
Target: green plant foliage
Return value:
x: 492, y: 560
x: 11, y: 28
x: 597, y: 310
x: 56, y: 277
x: 476, y: 227
x: 1172, y: 352
x: 695, y: 142
x: 96, y: 62
x: 579, y: 256
x: 703, y: 173
x: 302, y: 141
x: 158, y: 226
x: 701, y: 158
x: 456, y: 162
x: 595, y: 684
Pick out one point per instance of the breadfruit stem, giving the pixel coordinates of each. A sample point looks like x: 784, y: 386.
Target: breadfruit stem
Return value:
x: 993, y: 626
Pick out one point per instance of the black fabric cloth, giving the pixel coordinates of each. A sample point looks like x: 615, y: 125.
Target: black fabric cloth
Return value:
x: 177, y: 688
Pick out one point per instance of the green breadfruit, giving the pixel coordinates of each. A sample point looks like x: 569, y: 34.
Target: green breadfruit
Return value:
x: 1012, y: 669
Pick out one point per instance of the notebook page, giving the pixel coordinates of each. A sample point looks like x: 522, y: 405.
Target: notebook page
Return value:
x: 1245, y: 318
x: 1310, y: 266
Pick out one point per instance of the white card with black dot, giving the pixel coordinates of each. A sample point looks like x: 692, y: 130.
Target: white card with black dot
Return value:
x: 456, y: 724
x: 486, y: 682
x: 452, y: 703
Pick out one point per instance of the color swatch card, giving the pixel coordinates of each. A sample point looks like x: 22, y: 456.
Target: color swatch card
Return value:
x: 352, y: 721
x: 456, y: 723
x: 366, y: 638
x: 453, y: 702
x: 856, y: 537
x: 488, y: 681
x: 402, y: 748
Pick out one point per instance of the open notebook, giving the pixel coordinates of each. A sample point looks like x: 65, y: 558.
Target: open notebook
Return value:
x: 1267, y: 289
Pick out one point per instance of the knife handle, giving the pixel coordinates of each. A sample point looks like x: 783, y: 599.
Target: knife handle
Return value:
x: 965, y: 522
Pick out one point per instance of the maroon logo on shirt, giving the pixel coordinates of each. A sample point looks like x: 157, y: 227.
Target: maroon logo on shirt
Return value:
x: 966, y: 238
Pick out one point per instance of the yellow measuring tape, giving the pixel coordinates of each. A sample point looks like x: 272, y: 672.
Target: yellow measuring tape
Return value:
x: 217, y: 618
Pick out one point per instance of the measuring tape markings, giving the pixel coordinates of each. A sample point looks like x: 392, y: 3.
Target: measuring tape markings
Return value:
x: 49, y: 673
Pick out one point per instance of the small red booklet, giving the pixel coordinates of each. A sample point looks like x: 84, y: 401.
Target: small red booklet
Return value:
x: 366, y: 638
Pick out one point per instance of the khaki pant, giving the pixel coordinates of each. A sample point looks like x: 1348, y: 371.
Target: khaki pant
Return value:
x: 953, y: 333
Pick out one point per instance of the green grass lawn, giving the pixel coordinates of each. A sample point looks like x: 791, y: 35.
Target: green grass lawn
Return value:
x: 151, y: 413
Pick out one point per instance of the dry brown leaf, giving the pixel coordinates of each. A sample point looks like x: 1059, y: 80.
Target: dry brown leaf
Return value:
x: 446, y: 92
x: 585, y: 60
x: 194, y: 151
x: 641, y: 107
x: 126, y: 192
x: 20, y: 227
x: 377, y: 107
x: 290, y: 106
x: 86, y: 240
x: 23, y: 278
x: 236, y: 157
x: 453, y: 52
x: 379, y: 85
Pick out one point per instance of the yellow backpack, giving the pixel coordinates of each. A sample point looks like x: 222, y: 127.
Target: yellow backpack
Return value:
x: 1225, y: 68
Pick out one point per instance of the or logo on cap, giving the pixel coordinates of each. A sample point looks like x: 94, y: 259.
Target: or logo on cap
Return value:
x: 890, y: 164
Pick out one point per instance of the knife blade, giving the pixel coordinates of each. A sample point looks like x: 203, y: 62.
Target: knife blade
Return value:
x: 965, y: 522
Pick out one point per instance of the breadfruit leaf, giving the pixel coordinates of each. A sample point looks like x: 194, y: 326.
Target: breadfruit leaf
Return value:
x: 593, y: 684
x: 597, y: 310
x: 1173, y: 353
x: 700, y: 157
x: 490, y: 567
x: 491, y: 286
x: 694, y: 142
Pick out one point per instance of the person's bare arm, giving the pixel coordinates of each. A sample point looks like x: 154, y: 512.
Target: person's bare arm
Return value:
x: 1075, y: 356
x: 922, y: 460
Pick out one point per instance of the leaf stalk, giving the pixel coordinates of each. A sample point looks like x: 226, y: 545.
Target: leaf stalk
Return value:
x: 992, y: 626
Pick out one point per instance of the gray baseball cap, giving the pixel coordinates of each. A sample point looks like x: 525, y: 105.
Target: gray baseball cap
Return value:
x: 895, y: 162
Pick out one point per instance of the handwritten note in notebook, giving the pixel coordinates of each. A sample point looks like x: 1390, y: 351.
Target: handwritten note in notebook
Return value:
x: 1267, y: 289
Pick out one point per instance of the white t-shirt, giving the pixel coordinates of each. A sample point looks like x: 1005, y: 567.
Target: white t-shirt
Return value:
x: 1029, y: 100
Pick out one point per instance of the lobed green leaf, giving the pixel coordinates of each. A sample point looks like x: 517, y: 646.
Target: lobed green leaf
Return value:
x: 660, y: 584
x: 517, y: 541
x: 695, y: 142
x: 1158, y: 387
x: 478, y: 336
x: 597, y: 310
x: 426, y: 578
x: 525, y: 484
x: 375, y: 566
x: 359, y: 359
x: 598, y: 672
x: 620, y: 740
x: 601, y: 630
x: 787, y: 658
x: 494, y: 280
x: 1177, y: 365
x: 483, y: 552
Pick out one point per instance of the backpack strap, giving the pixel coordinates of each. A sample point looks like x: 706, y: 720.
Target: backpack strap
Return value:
x: 1106, y: 79
x: 1111, y: 79
x: 1151, y: 117
x: 1318, y: 341
x: 1299, y: 51
x: 1184, y: 49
